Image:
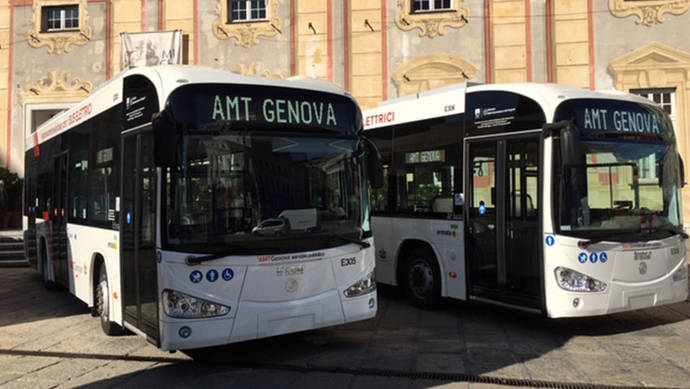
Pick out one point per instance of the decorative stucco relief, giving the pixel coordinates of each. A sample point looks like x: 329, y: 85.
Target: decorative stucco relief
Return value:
x: 252, y: 70
x: 58, y: 42
x: 56, y: 86
x: 648, y: 12
x: 247, y: 33
x: 431, y: 24
x: 432, y: 71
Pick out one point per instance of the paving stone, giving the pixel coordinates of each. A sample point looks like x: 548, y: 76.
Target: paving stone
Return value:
x: 108, y: 375
x: 549, y: 368
x: 441, y: 362
x: 27, y: 364
x: 603, y: 369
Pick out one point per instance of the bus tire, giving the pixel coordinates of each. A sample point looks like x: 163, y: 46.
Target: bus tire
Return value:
x: 421, y: 278
x: 45, y: 272
x: 102, y: 304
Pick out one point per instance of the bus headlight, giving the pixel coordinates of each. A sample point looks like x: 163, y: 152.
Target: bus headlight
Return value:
x: 183, y: 306
x: 573, y: 281
x: 364, y: 286
x: 680, y: 274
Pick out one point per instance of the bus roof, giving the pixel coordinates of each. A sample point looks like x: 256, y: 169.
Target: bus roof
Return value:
x: 165, y: 78
x: 451, y: 100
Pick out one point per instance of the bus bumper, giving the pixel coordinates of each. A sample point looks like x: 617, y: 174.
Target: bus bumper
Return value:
x: 253, y: 320
x: 620, y: 297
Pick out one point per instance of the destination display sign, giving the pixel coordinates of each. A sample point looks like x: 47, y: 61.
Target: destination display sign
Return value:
x: 598, y: 116
x: 256, y: 106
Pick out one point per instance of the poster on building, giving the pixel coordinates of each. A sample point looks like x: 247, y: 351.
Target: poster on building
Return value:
x: 151, y: 48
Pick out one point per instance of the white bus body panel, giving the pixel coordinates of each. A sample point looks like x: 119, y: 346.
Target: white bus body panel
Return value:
x: 267, y: 295
x: 85, y: 243
x: 631, y: 283
x: 445, y: 238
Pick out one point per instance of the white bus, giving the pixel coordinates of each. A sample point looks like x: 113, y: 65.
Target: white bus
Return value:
x: 545, y: 198
x: 197, y: 207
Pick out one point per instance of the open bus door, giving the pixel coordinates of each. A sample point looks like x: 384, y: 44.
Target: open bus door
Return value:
x: 138, y: 234
x: 503, y: 248
x: 58, y: 217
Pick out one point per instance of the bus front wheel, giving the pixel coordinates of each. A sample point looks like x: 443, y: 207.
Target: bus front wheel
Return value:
x: 102, y: 304
x: 422, y: 278
x: 45, y: 269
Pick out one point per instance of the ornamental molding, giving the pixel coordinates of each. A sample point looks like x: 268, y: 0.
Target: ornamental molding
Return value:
x: 432, y: 71
x: 648, y: 12
x: 431, y: 24
x: 252, y: 70
x: 246, y: 33
x: 56, y: 86
x: 58, y: 42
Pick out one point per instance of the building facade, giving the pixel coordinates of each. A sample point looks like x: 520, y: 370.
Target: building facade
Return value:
x: 53, y: 53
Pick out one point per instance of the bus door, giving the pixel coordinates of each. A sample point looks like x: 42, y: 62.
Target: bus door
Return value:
x: 58, y: 238
x: 137, y: 231
x: 502, y: 209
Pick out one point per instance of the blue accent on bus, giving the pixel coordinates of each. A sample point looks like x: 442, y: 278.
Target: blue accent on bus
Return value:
x: 196, y: 276
x: 228, y: 274
x: 212, y: 275
x: 603, y: 257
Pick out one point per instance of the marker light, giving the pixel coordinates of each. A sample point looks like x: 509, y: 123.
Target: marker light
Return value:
x: 364, y: 286
x: 573, y: 281
x: 680, y: 274
x: 183, y: 306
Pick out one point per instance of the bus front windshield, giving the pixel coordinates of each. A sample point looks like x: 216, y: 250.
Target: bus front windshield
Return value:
x: 623, y: 186
x: 253, y: 194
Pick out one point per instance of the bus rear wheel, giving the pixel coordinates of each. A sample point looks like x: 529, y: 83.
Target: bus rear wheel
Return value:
x: 102, y: 304
x: 422, y: 278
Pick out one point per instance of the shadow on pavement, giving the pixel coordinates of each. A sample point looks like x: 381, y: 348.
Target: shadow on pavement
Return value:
x: 24, y: 299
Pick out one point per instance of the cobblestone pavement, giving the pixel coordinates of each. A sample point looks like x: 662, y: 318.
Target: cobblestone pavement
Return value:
x: 49, y: 340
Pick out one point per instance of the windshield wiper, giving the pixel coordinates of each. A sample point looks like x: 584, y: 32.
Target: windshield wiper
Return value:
x: 668, y: 228
x: 584, y: 244
x: 192, y: 260
x: 355, y: 241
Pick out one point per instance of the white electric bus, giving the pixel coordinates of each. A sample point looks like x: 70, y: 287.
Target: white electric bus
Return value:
x: 545, y: 198
x: 197, y: 207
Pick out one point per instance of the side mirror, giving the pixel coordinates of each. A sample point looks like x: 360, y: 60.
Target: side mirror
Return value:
x: 682, y: 171
x: 374, y: 164
x: 165, y: 135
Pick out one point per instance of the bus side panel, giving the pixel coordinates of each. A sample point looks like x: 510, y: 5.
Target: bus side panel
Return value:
x: 444, y: 237
x: 84, y: 244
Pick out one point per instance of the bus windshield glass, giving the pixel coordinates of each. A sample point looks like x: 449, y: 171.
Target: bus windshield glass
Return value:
x: 264, y: 193
x: 620, y: 179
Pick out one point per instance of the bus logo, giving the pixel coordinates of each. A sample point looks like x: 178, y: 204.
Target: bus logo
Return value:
x: 289, y: 270
x: 291, y: 285
x: 643, y: 268
x: 643, y: 255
